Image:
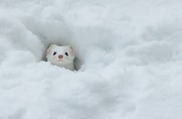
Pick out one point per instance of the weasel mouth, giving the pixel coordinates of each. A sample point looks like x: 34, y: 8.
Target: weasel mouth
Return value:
x: 60, y: 60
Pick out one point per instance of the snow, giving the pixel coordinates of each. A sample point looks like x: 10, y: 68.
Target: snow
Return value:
x: 129, y: 54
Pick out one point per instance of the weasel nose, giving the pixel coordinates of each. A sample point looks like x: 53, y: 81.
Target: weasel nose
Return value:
x: 60, y: 56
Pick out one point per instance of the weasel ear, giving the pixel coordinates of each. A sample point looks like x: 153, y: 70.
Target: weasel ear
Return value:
x: 49, y: 48
x: 71, y: 50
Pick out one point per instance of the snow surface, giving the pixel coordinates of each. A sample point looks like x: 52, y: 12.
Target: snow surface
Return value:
x: 131, y: 54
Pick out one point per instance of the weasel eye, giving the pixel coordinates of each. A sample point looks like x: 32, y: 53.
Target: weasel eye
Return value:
x: 54, y: 53
x: 66, y: 53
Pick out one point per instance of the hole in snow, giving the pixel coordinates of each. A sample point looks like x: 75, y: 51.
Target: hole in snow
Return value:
x: 52, y: 31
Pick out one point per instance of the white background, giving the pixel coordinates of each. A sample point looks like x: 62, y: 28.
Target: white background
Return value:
x: 131, y: 54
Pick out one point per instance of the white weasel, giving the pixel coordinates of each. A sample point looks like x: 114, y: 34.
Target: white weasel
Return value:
x: 62, y: 56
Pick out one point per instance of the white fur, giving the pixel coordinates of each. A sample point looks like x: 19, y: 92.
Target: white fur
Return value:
x: 66, y: 62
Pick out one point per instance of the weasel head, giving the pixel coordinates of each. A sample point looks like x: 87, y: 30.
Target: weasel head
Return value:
x: 60, y: 55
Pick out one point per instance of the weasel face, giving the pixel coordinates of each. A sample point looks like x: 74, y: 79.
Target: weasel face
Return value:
x: 60, y: 55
